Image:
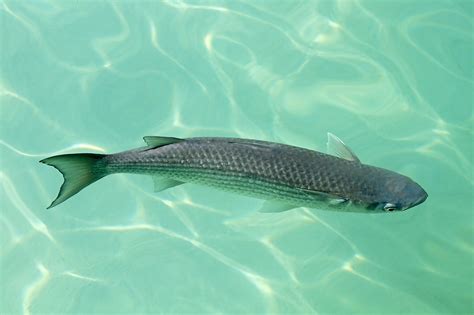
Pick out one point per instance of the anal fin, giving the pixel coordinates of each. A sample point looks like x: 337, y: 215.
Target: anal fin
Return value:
x: 162, y: 183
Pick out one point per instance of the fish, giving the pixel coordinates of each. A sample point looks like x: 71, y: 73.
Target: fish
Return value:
x: 284, y: 176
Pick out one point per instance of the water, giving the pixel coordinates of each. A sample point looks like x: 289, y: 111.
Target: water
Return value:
x: 394, y: 80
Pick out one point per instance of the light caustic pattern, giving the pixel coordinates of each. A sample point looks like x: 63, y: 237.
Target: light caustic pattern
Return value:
x: 394, y: 82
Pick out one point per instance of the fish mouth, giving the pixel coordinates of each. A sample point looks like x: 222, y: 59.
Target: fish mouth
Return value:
x: 421, y: 199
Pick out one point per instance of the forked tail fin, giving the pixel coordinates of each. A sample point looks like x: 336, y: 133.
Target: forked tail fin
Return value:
x: 79, y: 171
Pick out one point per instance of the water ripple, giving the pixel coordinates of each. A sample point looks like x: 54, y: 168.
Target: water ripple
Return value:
x: 394, y: 81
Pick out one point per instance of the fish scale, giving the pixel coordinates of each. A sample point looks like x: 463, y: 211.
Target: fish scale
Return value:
x: 280, y: 165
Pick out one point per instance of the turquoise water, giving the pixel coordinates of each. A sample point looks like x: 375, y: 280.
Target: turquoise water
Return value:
x: 394, y: 80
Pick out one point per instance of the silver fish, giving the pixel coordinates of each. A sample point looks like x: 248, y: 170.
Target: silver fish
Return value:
x: 285, y: 176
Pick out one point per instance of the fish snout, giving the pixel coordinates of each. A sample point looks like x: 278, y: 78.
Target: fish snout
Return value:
x: 414, y: 195
x: 421, y: 198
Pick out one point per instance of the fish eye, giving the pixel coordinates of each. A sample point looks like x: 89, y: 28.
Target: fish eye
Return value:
x: 389, y: 207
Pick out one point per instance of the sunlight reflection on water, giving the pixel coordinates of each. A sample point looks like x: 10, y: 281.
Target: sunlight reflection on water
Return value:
x: 394, y: 82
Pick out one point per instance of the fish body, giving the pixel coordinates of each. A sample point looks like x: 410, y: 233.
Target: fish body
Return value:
x: 286, y: 176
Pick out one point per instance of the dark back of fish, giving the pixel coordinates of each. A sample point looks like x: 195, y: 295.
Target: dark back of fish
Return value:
x: 251, y: 160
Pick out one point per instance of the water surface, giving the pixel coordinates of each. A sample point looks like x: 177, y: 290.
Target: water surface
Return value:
x: 394, y: 80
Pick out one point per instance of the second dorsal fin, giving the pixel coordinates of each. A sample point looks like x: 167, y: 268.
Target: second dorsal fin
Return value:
x: 154, y: 142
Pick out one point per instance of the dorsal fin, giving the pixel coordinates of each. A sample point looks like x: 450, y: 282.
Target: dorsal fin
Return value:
x: 336, y: 147
x: 154, y: 142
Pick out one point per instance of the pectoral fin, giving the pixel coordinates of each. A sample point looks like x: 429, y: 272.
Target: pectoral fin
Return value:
x: 164, y: 183
x: 271, y: 206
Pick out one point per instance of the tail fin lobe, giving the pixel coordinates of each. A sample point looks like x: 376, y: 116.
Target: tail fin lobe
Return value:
x: 79, y: 171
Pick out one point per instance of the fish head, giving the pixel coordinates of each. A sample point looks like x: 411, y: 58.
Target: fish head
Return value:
x: 396, y: 192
